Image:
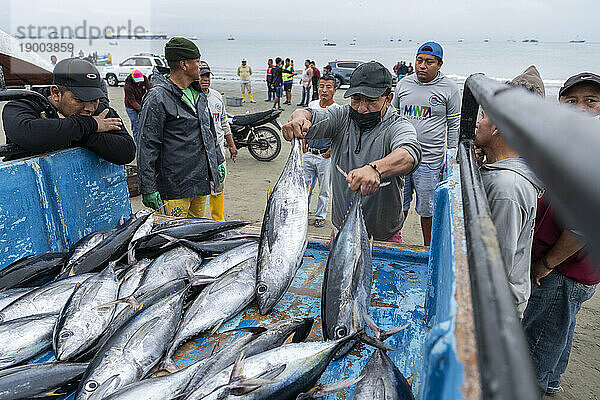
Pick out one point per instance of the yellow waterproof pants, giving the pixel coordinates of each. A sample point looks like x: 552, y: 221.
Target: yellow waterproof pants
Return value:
x: 216, y: 206
x: 190, y: 207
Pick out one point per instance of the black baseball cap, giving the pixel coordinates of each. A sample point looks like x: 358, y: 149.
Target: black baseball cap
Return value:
x: 370, y: 79
x: 583, y: 77
x: 204, y: 68
x: 80, y: 77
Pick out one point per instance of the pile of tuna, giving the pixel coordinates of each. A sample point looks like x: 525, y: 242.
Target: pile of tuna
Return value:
x: 115, y: 310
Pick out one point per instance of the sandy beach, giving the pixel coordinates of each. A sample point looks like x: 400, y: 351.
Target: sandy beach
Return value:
x: 249, y: 180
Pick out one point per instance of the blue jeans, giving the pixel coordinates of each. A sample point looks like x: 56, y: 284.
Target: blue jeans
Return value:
x: 422, y: 182
x: 317, y: 167
x: 549, y: 323
x: 134, y: 116
x: 305, y: 95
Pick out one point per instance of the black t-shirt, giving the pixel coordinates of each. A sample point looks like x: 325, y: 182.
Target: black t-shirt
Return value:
x: 277, y: 79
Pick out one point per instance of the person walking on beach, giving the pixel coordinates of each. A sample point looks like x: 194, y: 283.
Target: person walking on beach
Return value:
x: 369, y: 141
x: 136, y: 86
x: 288, y: 80
x: 563, y: 271
x: 270, y: 90
x: 306, y: 82
x: 410, y: 70
x: 431, y: 102
x: 512, y: 191
x: 402, y: 70
x: 244, y: 72
x: 317, y: 157
x: 316, y: 75
x: 277, y: 83
x: 179, y: 157
x: 216, y: 106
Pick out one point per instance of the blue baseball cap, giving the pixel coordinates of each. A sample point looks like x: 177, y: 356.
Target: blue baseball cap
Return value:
x: 431, y: 48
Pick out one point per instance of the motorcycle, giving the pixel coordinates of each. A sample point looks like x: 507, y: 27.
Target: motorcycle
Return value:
x: 249, y: 130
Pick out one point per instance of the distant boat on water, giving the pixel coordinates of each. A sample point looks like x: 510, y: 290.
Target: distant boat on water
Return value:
x: 530, y: 41
x: 486, y: 40
x: 577, y: 40
x: 230, y: 37
x: 353, y: 43
x: 461, y: 40
x: 329, y: 44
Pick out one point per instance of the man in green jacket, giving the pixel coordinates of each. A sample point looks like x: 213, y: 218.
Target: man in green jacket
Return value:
x: 178, y: 154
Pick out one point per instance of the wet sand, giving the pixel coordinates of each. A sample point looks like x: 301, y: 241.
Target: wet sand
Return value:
x: 249, y: 180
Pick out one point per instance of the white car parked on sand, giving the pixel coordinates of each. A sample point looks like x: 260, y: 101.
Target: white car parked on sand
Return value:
x: 145, y: 62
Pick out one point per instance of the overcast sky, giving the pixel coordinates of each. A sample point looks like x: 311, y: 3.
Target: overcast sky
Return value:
x: 547, y: 20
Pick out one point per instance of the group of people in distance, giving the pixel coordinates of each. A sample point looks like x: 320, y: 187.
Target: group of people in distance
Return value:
x: 402, y: 137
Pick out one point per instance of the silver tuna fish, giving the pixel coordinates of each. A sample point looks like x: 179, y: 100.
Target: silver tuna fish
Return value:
x: 37, y: 380
x: 283, y: 237
x: 346, y: 290
x: 217, y: 303
x: 86, y: 315
x: 24, y: 338
x: 9, y: 295
x: 222, y: 263
x: 292, y: 368
x: 130, y: 281
x: 49, y: 299
x: 133, y: 350
x: 173, y: 264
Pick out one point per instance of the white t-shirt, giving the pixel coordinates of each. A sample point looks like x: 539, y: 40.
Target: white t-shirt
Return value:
x: 316, y: 104
x: 216, y: 107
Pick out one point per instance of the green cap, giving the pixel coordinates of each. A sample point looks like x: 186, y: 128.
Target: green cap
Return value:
x: 179, y: 48
x: 370, y: 79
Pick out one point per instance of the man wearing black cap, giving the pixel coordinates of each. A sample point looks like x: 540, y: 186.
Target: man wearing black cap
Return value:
x: 369, y: 141
x: 72, y: 116
x: 178, y: 155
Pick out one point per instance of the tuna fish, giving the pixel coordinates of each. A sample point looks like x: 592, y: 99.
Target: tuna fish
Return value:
x: 86, y: 315
x: 222, y: 263
x: 130, y: 280
x: 283, y: 237
x: 24, y: 338
x: 49, y: 299
x: 173, y: 264
x: 38, y: 380
x: 291, y: 369
x: 346, y: 290
x: 32, y: 270
x: 217, y: 303
x: 382, y: 379
x: 9, y: 295
x: 133, y: 350
x: 82, y: 247
x: 111, y: 247
x: 258, y: 341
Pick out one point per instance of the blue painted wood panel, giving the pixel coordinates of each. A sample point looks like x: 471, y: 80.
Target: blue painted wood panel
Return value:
x: 49, y: 202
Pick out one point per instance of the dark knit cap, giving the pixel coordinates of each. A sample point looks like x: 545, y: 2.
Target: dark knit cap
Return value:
x: 178, y: 49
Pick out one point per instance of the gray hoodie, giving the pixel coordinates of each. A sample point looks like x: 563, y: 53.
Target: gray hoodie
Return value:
x: 512, y: 191
x: 351, y: 149
x: 434, y: 110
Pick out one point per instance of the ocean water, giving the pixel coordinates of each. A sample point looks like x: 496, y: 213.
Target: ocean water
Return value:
x: 501, y: 60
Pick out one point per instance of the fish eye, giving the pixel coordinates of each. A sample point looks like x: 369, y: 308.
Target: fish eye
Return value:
x: 65, y: 335
x: 340, y: 332
x: 90, y: 386
x: 261, y: 288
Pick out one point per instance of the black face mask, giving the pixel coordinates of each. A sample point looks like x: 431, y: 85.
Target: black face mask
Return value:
x: 365, y: 121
